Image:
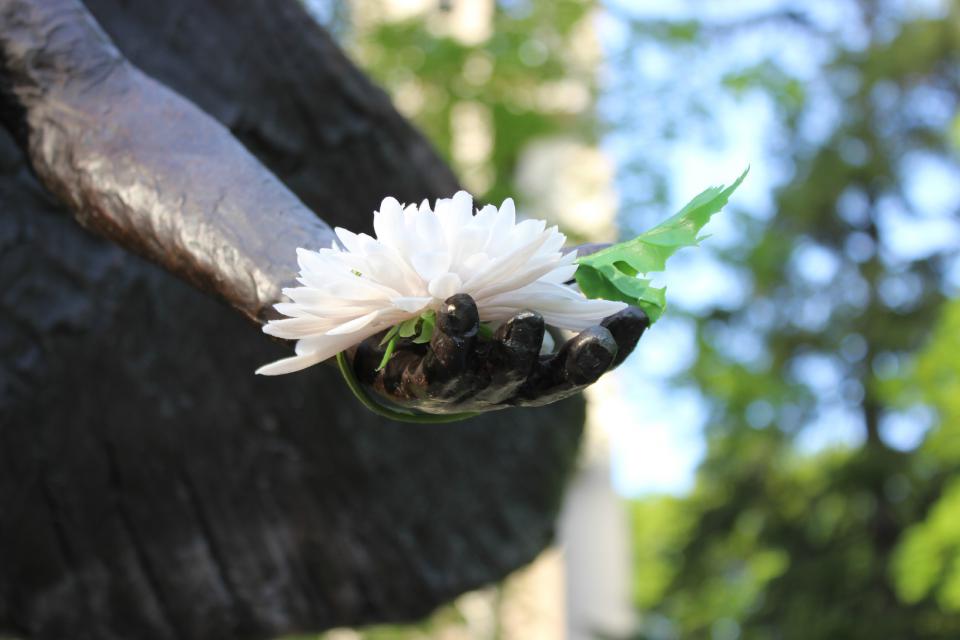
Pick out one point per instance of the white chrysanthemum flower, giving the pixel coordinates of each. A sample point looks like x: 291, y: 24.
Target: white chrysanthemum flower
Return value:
x: 420, y: 258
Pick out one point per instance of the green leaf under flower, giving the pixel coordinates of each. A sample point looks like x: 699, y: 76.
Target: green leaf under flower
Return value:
x: 428, y: 321
x: 408, y: 328
x: 611, y: 273
x: 388, y: 353
x: 419, y: 328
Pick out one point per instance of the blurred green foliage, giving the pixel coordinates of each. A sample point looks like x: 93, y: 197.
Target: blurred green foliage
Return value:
x: 927, y: 562
x: 856, y: 541
x: 932, y: 377
x: 520, y: 74
x: 926, y: 566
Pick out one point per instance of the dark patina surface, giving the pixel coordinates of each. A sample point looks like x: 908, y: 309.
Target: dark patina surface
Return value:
x: 150, y: 485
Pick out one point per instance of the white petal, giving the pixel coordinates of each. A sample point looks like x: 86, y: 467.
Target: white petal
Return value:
x: 473, y: 265
x: 348, y: 287
x: 411, y: 304
x: 503, y: 265
x: 561, y: 274
x: 559, y: 305
x: 288, y: 365
x: 517, y: 278
x: 294, y: 310
x: 388, y: 223
x: 348, y: 239
x: 429, y: 232
x: 295, y: 328
x: 463, y: 204
x: 445, y: 286
x: 390, y: 206
x: 471, y: 240
x: 456, y: 216
x: 431, y: 264
x: 316, y: 349
x: 356, y: 324
x: 502, y: 225
x: 525, y: 232
x: 486, y: 216
x: 308, y: 260
x: 313, y: 302
x: 548, y: 345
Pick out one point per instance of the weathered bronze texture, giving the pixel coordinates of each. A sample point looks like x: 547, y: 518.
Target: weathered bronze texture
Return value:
x: 458, y: 371
x: 150, y: 485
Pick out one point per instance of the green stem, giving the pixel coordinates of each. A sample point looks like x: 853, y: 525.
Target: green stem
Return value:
x: 399, y: 415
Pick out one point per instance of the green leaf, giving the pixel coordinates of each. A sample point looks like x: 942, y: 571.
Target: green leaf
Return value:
x: 391, y: 345
x: 408, y: 328
x: 390, y: 335
x: 611, y: 273
x: 485, y: 331
x: 426, y: 328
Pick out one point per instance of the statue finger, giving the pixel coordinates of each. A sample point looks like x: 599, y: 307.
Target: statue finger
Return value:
x: 578, y: 363
x: 626, y: 327
x: 510, y: 357
x: 448, y: 360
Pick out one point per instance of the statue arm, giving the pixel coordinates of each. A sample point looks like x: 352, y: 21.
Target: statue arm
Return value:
x: 138, y: 163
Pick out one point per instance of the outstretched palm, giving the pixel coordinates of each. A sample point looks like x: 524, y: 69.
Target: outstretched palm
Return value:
x: 461, y: 371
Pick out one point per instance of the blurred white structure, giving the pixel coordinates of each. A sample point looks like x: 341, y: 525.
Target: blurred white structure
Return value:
x: 472, y: 144
x: 579, y: 589
x: 570, y: 183
x: 468, y: 21
x: 595, y: 532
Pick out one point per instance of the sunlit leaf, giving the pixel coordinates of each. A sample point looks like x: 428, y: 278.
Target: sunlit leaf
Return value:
x: 611, y: 273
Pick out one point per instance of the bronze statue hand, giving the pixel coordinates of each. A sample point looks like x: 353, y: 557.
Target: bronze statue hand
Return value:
x: 174, y: 185
x: 461, y: 371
